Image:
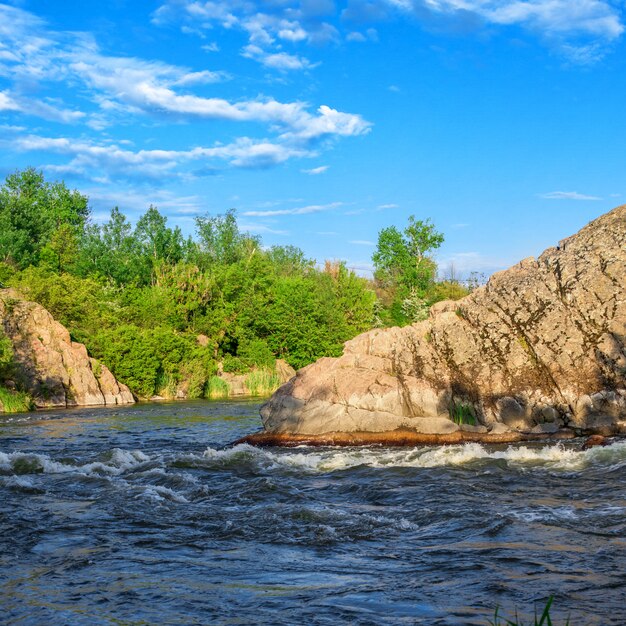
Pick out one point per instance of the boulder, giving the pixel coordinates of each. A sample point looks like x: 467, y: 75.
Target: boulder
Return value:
x: 53, y: 369
x: 538, y: 349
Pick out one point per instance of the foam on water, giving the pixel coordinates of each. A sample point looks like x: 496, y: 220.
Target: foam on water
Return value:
x: 556, y: 457
x: 117, y: 462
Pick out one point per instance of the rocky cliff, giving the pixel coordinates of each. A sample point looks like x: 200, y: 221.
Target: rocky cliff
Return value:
x: 53, y: 369
x: 539, y: 349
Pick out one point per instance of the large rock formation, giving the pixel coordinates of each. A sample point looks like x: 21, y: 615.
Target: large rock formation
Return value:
x: 56, y: 371
x: 540, y: 348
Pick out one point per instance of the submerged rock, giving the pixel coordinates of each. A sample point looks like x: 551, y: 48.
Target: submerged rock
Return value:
x: 540, y: 348
x: 53, y: 369
x: 594, y: 441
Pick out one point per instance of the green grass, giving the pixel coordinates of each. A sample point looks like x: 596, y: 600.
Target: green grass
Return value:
x: 217, y: 387
x: 543, y: 620
x: 15, y: 401
x: 462, y: 414
x: 262, y: 382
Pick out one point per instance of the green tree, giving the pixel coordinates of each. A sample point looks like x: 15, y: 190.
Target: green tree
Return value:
x: 158, y: 244
x: 405, y: 270
x: 221, y: 242
x: 33, y: 213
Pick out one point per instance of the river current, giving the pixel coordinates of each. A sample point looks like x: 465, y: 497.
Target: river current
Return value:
x: 144, y: 515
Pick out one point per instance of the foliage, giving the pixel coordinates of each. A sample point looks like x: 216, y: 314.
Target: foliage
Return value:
x: 162, y: 311
x: 39, y: 220
x: 543, y: 620
x: 6, y: 356
x: 405, y: 273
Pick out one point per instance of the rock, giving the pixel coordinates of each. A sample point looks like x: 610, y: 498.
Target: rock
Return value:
x: 53, y: 369
x: 202, y: 340
x: 284, y: 370
x: 593, y: 441
x: 542, y: 345
x: 545, y: 428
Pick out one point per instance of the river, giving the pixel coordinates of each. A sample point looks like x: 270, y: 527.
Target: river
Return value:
x: 141, y: 515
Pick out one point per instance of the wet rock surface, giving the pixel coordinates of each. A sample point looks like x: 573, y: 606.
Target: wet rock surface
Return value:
x: 540, y: 348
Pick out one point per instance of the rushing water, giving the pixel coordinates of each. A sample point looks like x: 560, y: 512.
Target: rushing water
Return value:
x: 141, y: 515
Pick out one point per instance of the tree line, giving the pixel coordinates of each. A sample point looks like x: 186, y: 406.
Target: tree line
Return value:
x: 164, y: 311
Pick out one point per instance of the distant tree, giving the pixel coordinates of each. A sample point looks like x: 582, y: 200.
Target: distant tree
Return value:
x: 221, y: 241
x: 403, y: 259
x: 37, y: 215
x: 111, y: 251
x: 404, y: 268
x: 157, y: 243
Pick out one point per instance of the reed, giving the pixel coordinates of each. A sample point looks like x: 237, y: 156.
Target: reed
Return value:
x: 543, y: 620
x: 217, y: 387
x: 462, y: 414
x: 262, y: 382
x: 15, y: 401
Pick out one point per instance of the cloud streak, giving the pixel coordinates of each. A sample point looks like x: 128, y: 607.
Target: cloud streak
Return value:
x: 567, y: 195
x: 304, y: 210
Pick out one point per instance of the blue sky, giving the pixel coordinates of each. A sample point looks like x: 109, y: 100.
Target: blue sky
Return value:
x: 321, y: 121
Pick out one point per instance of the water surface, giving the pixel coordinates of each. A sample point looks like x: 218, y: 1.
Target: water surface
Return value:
x: 140, y: 515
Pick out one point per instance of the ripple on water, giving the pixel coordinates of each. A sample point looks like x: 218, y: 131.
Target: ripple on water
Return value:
x: 132, y: 518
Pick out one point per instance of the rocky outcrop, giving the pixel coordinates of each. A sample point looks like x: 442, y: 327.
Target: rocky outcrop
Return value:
x: 539, y: 349
x: 53, y: 369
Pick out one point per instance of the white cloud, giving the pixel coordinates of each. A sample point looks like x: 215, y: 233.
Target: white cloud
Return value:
x: 90, y: 159
x: 138, y: 200
x: 316, y: 170
x: 260, y: 229
x: 265, y: 25
x: 131, y: 86
x: 383, y: 207
x: 356, y: 36
x: 269, y: 24
x: 7, y: 103
x: 567, y: 195
x: 362, y: 242
x: 277, y: 60
x: 559, y: 21
x: 305, y: 210
x: 203, y: 77
x: 38, y: 108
